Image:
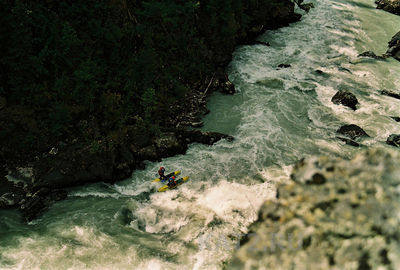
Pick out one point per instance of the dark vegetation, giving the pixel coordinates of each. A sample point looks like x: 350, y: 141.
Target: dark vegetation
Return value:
x: 86, y: 72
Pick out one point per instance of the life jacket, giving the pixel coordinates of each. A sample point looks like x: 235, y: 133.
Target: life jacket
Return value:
x: 171, y: 182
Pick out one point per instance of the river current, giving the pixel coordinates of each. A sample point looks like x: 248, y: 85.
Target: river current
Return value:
x: 277, y: 116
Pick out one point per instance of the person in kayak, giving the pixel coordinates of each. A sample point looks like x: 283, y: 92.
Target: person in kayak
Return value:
x: 171, y: 182
x: 161, y: 172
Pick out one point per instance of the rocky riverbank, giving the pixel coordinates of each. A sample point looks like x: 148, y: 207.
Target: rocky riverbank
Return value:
x: 333, y: 214
x: 392, y: 6
x: 74, y: 161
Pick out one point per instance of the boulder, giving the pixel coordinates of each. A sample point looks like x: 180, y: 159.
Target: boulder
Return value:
x: 367, y: 54
x: 390, y: 93
x: 352, y: 131
x: 284, y: 65
x: 394, y: 139
x: 34, y: 205
x: 346, y: 99
x: 396, y: 118
x: 371, y: 54
x: 196, y: 136
x: 392, y: 6
x: 394, y: 47
x: 256, y: 42
x: 167, y: 145
x: 306, y: 6
x: 334, y: 214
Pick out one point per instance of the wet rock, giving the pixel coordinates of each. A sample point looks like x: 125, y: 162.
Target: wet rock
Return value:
x: 396, y: 118
x: 304, y: 6
x: 40, y: 201
x: 392, y: 6
x: 10, y: 199
x: 371, y: 54
x: 394, y: 139
x: 197, y: 124
x: 196, y: 136
x: 284, y: 65
x: 352, y: 131
x: 367, y: 54
x: 348, y: 221
x: 257, y: 42
x: 227, y: 87
x: 349, y: 141
x: 346, y: 99
x: 390, y: 93
x: 394, y: 47
x: 76, y: 166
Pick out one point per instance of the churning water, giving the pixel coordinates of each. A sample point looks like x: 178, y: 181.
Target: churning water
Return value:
x: 277, y: 117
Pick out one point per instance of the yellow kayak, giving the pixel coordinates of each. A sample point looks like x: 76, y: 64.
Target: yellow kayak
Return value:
x: 178, y: 183
x: 176, y: 173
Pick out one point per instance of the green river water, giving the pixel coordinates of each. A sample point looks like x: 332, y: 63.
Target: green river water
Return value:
x: 277, y: 117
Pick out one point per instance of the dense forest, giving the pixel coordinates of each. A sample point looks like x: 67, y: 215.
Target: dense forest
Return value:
x: 84, y: 71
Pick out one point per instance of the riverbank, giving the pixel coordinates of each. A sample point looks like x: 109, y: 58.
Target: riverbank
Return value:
x: 334, y: 213
x: 112, y: 155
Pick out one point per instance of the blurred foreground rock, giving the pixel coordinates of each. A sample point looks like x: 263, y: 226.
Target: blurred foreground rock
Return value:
x: 334, y: 214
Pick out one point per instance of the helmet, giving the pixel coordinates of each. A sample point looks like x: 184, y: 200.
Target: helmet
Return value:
x: 173, y: 177
x: 162, y: 169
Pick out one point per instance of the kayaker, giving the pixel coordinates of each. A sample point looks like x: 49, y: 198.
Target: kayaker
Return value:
x: 171, y: 182
x: 161, y: 172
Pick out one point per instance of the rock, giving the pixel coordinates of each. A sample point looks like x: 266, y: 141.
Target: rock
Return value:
x: 392, y: 6
x: 284, y: 65
x: 40, y: 201
x: 367, y: 54
x: 227, y: 87
x: 396, y: 118
x: 306, y: 6
x: 390, y: 94
x: 371, y: 54
x: 394, y: 139
x: 148, y: 153
x: 197, y: 124
x: 53, y: 151
x: 10, y: 199
x: 352, y: 131
x: 167, y: 145
x: 347, y: 221
x: 257, y: 42
x: 346, y: 99
x: 349, y: 142
x: 394, y: 47
x: 196, y: 136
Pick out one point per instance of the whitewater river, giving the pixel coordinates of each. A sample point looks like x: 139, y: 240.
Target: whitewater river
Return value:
x: 277, y: 117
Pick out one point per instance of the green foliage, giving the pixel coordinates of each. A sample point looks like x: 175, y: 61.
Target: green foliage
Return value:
x: 115, y: 59
x: 95, y: 147
x: 148, y: 102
